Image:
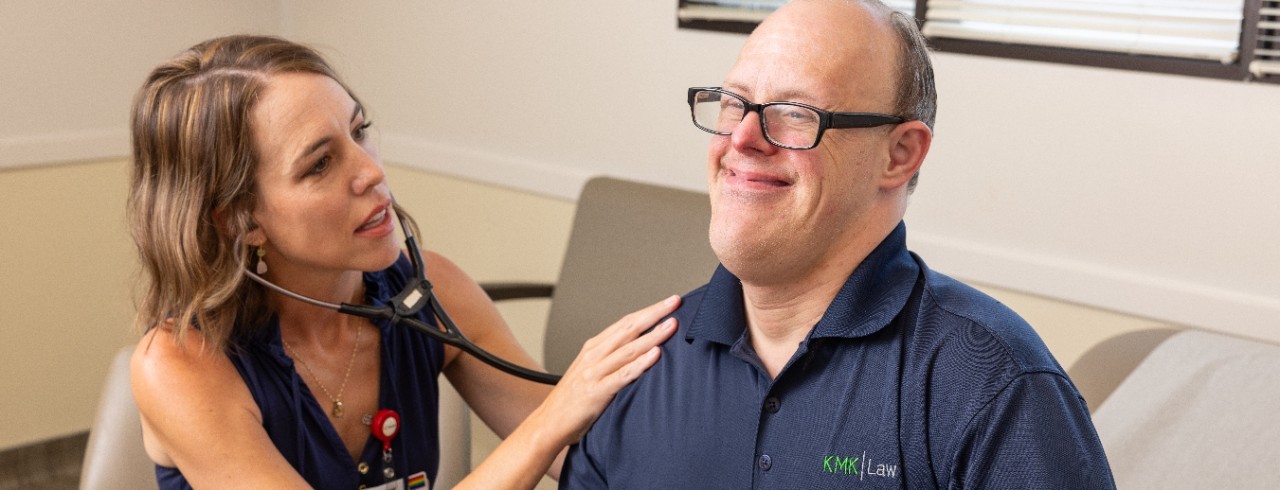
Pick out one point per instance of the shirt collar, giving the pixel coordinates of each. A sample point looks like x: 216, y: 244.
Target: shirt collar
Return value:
x: 872, y: 296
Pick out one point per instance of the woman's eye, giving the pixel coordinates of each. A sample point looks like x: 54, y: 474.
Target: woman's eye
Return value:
x: 361, y: 131
x: 320, y: 166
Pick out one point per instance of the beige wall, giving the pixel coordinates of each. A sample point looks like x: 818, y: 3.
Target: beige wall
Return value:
x: 71, y: 67
x: 65, y: 302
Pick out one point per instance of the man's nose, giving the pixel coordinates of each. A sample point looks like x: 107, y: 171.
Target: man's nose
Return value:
x: 749, y: 137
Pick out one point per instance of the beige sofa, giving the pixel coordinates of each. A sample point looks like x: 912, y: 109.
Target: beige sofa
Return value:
x: 1185, y: 409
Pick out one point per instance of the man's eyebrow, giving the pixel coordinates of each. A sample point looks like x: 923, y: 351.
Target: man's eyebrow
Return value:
x: 789, y: 95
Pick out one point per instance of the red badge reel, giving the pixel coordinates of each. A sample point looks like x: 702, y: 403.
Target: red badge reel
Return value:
x: 385, y: 426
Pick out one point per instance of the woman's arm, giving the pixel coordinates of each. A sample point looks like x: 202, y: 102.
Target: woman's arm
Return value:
x: 607, y: 363
x: 611, y: 360
x: 198, y: 415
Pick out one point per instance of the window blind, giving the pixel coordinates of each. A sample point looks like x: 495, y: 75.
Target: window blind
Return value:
x: 1192, y: 29
x: 727, y: 10
x: 1266, y: 54
x: 752, y: 11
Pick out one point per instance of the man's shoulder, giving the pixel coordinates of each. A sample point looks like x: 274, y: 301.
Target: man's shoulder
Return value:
x: 977, y: 319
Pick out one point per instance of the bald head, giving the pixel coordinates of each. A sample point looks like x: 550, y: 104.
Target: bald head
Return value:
x: 846, y: 48
x: 863, y: 44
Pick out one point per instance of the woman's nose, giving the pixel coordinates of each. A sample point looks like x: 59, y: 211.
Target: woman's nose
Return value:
x: 369, y: 172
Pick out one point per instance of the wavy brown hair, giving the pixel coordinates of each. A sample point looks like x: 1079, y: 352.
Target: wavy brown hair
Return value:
x: 193, y: 189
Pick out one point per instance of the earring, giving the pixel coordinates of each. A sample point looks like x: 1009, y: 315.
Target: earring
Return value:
x: 262, y: 262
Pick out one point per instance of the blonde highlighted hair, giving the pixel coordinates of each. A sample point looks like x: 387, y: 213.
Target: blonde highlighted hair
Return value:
x: 193, y: 190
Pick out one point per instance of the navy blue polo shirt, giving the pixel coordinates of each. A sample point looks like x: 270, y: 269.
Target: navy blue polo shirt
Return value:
x: 909, y: 380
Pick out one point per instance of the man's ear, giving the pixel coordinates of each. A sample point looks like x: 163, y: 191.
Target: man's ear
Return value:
x: 909, y: 143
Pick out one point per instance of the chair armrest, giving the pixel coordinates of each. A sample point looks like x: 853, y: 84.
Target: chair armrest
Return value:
x: 499, y: 291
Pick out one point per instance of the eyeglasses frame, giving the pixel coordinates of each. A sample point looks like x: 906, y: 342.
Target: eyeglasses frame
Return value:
x: 826, y: 119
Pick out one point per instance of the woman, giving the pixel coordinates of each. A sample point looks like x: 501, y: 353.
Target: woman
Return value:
x: 251, y: 154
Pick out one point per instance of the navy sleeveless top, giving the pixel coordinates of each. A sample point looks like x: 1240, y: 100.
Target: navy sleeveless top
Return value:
x: 296, y: 421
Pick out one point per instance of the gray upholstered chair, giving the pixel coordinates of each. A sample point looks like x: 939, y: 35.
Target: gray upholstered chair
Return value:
x: 631, y: 245
x: 114, y: 457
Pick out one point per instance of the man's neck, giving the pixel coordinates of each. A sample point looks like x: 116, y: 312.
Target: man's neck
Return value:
x: 781, y: 313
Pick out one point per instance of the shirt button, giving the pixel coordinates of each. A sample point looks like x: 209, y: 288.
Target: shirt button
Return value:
x: 772, y: 404
x: 363, y: 468
x: 765, y: 462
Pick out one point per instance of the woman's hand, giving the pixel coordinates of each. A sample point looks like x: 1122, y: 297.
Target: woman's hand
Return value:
x: 607, y: 362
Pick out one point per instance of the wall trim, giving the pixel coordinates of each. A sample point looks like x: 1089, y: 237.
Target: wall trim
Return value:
x: 1171, y: 300
x: 63, y: 148
x: 521, y: 174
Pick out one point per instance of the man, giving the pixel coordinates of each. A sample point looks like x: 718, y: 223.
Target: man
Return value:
x: 822, y: 353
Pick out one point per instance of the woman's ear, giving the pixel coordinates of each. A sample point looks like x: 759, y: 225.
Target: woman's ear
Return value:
x: 909, y: 143
x: 255, y: 237
x: 253, y: 234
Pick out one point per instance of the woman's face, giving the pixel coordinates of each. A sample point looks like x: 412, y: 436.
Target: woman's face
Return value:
x: 323, y: 203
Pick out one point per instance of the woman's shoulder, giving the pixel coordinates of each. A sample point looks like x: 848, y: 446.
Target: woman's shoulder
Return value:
x: 176, y: 378
x: 164, y: 352
x: 165, y: 364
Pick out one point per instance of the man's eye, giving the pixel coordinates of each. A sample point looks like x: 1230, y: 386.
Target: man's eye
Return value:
x: 801, y: 115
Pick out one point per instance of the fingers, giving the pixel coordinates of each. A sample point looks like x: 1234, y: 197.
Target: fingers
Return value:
x: 607, y: 363
x: 630, y: 326
x: 629, y: 362
x: 621, y: 366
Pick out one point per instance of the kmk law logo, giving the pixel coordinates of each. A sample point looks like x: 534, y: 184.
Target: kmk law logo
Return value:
x: 859, y: 466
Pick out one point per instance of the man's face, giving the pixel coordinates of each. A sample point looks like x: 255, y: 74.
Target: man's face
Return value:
x: 777, y: 213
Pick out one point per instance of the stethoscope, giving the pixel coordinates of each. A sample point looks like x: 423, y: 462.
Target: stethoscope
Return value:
x: 403, y: 307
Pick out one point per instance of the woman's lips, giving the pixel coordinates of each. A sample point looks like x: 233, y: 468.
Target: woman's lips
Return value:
x: 377, y: 219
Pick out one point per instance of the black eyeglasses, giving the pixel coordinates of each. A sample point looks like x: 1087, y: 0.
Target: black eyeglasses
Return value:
x: 789, y: 125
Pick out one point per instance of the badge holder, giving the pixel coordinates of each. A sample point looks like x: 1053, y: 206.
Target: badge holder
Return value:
x: 385, y: 427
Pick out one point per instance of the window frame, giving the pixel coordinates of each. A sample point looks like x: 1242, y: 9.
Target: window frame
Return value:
x: 1238, y: 70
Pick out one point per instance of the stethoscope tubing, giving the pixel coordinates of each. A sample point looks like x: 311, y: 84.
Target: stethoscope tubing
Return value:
x: 402, y: 309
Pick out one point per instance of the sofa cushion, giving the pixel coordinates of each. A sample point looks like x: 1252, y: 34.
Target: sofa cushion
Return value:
x: 1202, y: 411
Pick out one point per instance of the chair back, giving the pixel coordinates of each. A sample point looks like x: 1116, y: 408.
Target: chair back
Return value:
x: 631, y: 245
x: 114, y: 456
x: 1100, y: 369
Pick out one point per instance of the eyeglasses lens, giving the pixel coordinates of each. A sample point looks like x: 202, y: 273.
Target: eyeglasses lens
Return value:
x: 791, y: 125
x: 785, y: 125
x: 716, y: 112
